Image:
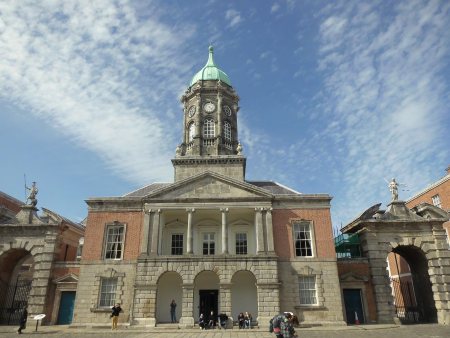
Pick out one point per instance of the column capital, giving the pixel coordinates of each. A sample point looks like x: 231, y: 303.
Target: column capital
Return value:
x: 260, y: 209
x: 224, y: 209
x: 149, y: 211
x: 190, y: 210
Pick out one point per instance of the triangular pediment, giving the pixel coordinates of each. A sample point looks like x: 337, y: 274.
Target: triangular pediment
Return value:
x: 69, y: 278
x: 209, y: 185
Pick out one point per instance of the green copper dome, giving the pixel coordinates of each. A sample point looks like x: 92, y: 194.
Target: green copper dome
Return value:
x: 211, y: 71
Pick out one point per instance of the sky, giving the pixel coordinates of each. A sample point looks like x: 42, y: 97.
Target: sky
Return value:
x: 336, y: 96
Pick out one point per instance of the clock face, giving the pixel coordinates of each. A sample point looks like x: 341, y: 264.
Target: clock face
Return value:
x: 191, y: 111
x: 227, y: 110
x: 209, y: 107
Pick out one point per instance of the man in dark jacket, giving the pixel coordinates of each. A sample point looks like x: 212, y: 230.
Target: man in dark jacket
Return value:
x: 23, y: 321
x: 116, y: 309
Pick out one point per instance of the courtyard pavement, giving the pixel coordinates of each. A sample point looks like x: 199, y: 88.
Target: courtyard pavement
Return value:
x: 359, y: 331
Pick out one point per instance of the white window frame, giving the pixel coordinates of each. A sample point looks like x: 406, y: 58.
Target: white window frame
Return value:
x: 210, y: 240
x: 209, y: 128
x: 436, y: 200
x: 115, y: 225
x: 108, y: 287
x: 171, y: 243
x: 297, y: 236
x: 227, y: 131
x: 236, y: 243
x: 307, y: 287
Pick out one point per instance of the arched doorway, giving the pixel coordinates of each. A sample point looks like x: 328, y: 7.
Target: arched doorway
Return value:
x: 244, y: 296
x: 411, y: 285
x: 169, y: 287
x: 206, y: 294
x: 16, y: 275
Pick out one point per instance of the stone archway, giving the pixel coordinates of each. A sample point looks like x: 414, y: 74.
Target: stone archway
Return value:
x: 418, y: 236
x: 412, y: 292
x: 206, y: 294
x: 16, y: 275
x: 169, y: 287
x: 244, y: 295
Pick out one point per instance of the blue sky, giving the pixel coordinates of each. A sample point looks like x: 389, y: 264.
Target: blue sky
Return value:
x: 336, y: 96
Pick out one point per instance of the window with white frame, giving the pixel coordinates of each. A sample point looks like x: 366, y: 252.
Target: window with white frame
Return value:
x: 303, y: 239
x: 114, y: 241
x: 241, y: 244
x: 80, y: 247
x: 227, y: 131
x: 307, y: 290
x: 436, y: 201
x: 208, y: 129
x: 177, y: 244
x: 108, y: 289
x: 191, y: 132
x: 208, y: 243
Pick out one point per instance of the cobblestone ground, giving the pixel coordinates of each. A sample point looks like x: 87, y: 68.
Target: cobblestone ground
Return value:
x: 373, y: 331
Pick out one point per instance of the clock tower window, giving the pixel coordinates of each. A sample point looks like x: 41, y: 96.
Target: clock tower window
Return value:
x: 208, y: 129
x: 191, y: 131
x: 227, y: 131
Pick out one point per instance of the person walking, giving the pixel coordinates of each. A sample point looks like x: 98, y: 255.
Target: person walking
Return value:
x: 173, y: 307
x: 116, y: 309
x: 23, y: 321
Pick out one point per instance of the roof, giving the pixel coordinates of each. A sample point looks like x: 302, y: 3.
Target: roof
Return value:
x: 144, y: 191
x: 210, y: 71
x: 274, y: 187
x: 269, y: 186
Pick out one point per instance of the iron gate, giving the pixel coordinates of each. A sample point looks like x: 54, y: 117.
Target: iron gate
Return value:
x: 13, y: 301
x: 406, y: 308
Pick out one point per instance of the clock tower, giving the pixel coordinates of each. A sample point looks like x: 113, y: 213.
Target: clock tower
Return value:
x: 210, y: 131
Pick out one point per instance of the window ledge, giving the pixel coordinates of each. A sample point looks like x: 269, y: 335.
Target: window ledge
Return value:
x: 310, y: 307
x: 100, y: 309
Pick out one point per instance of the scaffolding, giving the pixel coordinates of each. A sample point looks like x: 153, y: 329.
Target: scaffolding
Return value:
x: 347, y: 246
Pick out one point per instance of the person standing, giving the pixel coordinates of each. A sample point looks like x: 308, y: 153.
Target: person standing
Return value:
x: 116, y: 309
x: 23, y: 321
x: 173, y: 307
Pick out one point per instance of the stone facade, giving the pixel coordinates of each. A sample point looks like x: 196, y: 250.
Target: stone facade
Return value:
x: 210, y: 241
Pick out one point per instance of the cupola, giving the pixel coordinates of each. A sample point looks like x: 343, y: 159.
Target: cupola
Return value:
x: 210, y: 71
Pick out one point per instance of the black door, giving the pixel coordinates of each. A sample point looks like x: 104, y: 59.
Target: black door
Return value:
x: 208, y: 303
x: 353, y: 306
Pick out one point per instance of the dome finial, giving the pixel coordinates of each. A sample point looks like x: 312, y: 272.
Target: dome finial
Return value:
x: 210, y: 62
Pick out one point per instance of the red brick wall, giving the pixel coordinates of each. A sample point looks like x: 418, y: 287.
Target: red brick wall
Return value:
x: 443, y: 190
x: 361, y: 269
x: 282, y: 227
x: 9, y: 204
x: 95, y: 230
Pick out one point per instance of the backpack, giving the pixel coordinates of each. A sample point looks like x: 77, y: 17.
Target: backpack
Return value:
x: 275, y: 323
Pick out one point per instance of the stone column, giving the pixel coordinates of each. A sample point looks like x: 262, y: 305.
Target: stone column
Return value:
x: 224, y: 231
x: 155, y: 233
x: 269, y: 231
x: 225, y: 299
x: 259, y: 230
x: 190, y: 236
x: 162, y: 222
x: 187, y: 310
x: 145, y: 236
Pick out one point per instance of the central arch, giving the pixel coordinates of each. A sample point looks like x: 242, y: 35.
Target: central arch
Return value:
x: 206, y: 294
x: 411, y: 285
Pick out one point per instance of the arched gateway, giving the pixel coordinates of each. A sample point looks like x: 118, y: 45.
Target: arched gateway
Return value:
x: 409, y: 260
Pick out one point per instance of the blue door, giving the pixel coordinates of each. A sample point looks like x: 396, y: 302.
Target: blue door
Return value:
x: 353, y: 306
x: 66, y: 306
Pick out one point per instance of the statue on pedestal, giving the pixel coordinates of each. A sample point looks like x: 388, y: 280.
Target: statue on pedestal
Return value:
x: 32, y: 194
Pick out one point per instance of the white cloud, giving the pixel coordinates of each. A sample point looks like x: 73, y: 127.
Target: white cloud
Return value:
x: 275, y: 7
x: 87, y: 67
x: 234, y: 17
x: 387, y: 97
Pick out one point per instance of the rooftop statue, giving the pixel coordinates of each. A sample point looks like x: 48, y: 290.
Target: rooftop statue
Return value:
x: 32, y: 194
x: 393, y: 188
